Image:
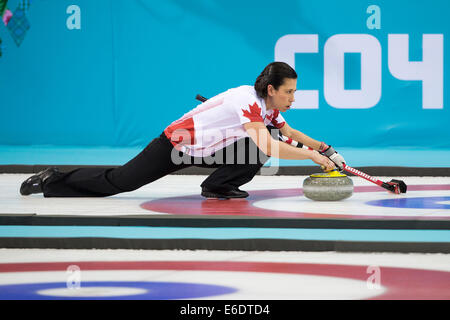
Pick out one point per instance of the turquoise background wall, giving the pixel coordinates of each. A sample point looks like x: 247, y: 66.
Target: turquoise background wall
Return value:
x: 117, y: 72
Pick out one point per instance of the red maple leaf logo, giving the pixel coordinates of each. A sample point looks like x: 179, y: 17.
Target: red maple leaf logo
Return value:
x: 255, y: 113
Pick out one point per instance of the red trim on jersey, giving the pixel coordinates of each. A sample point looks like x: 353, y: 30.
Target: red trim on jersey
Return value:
x: 273, y: 120
x: 278, y: 125
x: 275, y: 114
x: 181, y: 132
x: 255, y: 113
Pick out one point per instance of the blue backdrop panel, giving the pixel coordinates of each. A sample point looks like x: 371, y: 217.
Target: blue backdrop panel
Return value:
x: 134, y: 66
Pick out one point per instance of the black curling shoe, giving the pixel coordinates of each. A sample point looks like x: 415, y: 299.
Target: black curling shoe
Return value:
x: 34, y: 183
x: 231, y: 194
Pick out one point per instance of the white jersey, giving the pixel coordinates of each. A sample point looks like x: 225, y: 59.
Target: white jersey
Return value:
x: 219, y: 122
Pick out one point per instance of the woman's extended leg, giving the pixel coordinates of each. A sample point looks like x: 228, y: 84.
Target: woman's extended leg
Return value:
x: 152, y: 163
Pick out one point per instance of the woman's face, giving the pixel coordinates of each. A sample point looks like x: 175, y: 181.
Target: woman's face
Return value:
x: 282, y: 98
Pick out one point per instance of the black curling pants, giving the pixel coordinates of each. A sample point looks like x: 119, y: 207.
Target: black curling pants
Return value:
x: 236, y: 165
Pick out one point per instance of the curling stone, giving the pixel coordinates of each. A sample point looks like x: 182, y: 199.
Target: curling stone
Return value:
x: 328, y: 186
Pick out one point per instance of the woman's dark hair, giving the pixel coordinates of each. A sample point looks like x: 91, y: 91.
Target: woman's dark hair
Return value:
x: 274, y: 73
